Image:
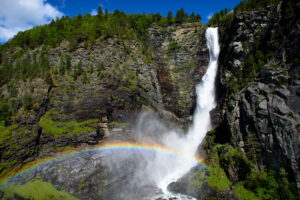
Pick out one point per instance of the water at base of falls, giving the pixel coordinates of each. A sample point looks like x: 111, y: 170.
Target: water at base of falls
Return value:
x: 201, y: 122
x: 173, y: 197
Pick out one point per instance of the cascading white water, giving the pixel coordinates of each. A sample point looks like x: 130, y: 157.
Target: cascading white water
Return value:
x: 173, y: 169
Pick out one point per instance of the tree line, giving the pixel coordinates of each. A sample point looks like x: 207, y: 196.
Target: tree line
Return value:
x: 88, y: 28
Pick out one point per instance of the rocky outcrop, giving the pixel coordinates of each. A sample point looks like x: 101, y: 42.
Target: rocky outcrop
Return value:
x: 261, y: 118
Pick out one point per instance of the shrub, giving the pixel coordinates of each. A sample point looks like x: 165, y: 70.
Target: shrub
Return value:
x: 5, y: 112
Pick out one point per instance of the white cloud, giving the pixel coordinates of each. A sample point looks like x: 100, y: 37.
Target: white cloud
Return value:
x: 209, y: 16
x: 20, y: 15
x: 94, y: 12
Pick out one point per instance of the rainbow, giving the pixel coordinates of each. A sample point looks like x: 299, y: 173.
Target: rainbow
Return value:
x: 106, y: 146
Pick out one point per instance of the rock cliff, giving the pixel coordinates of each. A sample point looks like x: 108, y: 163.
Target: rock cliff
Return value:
x: 101, y: 89
x: 262, y: 117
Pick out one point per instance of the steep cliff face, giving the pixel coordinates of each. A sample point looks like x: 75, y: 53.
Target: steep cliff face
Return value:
x: 259, y: 73
x: 94, y: 91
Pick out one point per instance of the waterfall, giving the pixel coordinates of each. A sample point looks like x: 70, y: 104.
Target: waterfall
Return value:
x: 188, y: 145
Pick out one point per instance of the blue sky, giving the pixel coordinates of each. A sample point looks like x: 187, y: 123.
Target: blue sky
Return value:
x: 203, y: 7
x: 20, y: 15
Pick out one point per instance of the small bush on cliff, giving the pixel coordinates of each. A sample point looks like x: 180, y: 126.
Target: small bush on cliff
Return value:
x: 5, y: 112
x: 173, y: 47
x: 27, y: 101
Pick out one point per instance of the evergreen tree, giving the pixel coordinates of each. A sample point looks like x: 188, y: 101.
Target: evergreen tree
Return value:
x: 62, y: 67
x: 100, y: 12
x: 198, y: 18
x: 193, y: 17
x: 157, y: 17
x: 170, y: 17
x: 180, y: 16
x: 68, y: 62
x: 106, y: 13
x: 117, y: 12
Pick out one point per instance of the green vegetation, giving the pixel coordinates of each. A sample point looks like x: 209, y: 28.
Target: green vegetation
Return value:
x: 247, y: 5
x: 5, y: 112
x: 5, y: 132
x: 182, y: 16
x: 229, y: 167
x: 173, y: 47
x: 36, y: 190
x: 265, y: 45
x: 79, y: 29
x: 218, y: 179
x: 224, y: 17
x: 29, y: 69
x: 59, y: 128
x: 270, y: 185
x: 88, y: 28
x: 243, y: 193
x: 8, y: 135
x: 27, y: 102
x: 118, y: 124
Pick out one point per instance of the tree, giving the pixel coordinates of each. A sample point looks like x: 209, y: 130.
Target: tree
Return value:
x: 62, y: 67
x: 68, y: 62
x: 157, y: 17
x: 117, y: 12
x: 193, y: 17
x: 198, y: 18
x: 5, y: 113
x: 180, y: 16
x: 106, y: 13
x: 170, y: 17
x: 100, y: 12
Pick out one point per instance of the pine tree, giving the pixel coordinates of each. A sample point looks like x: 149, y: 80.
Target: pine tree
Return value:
x: 193, y: 17
x: 170, y: 17
x: 180, y: 16
x: 100, y: 12
x: 198, y: 18
x: 106, y: 13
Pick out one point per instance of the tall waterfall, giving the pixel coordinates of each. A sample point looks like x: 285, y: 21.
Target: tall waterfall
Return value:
x: 188, y: 145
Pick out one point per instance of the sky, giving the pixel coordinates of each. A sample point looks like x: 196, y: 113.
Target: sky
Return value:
x: 20, y: 15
